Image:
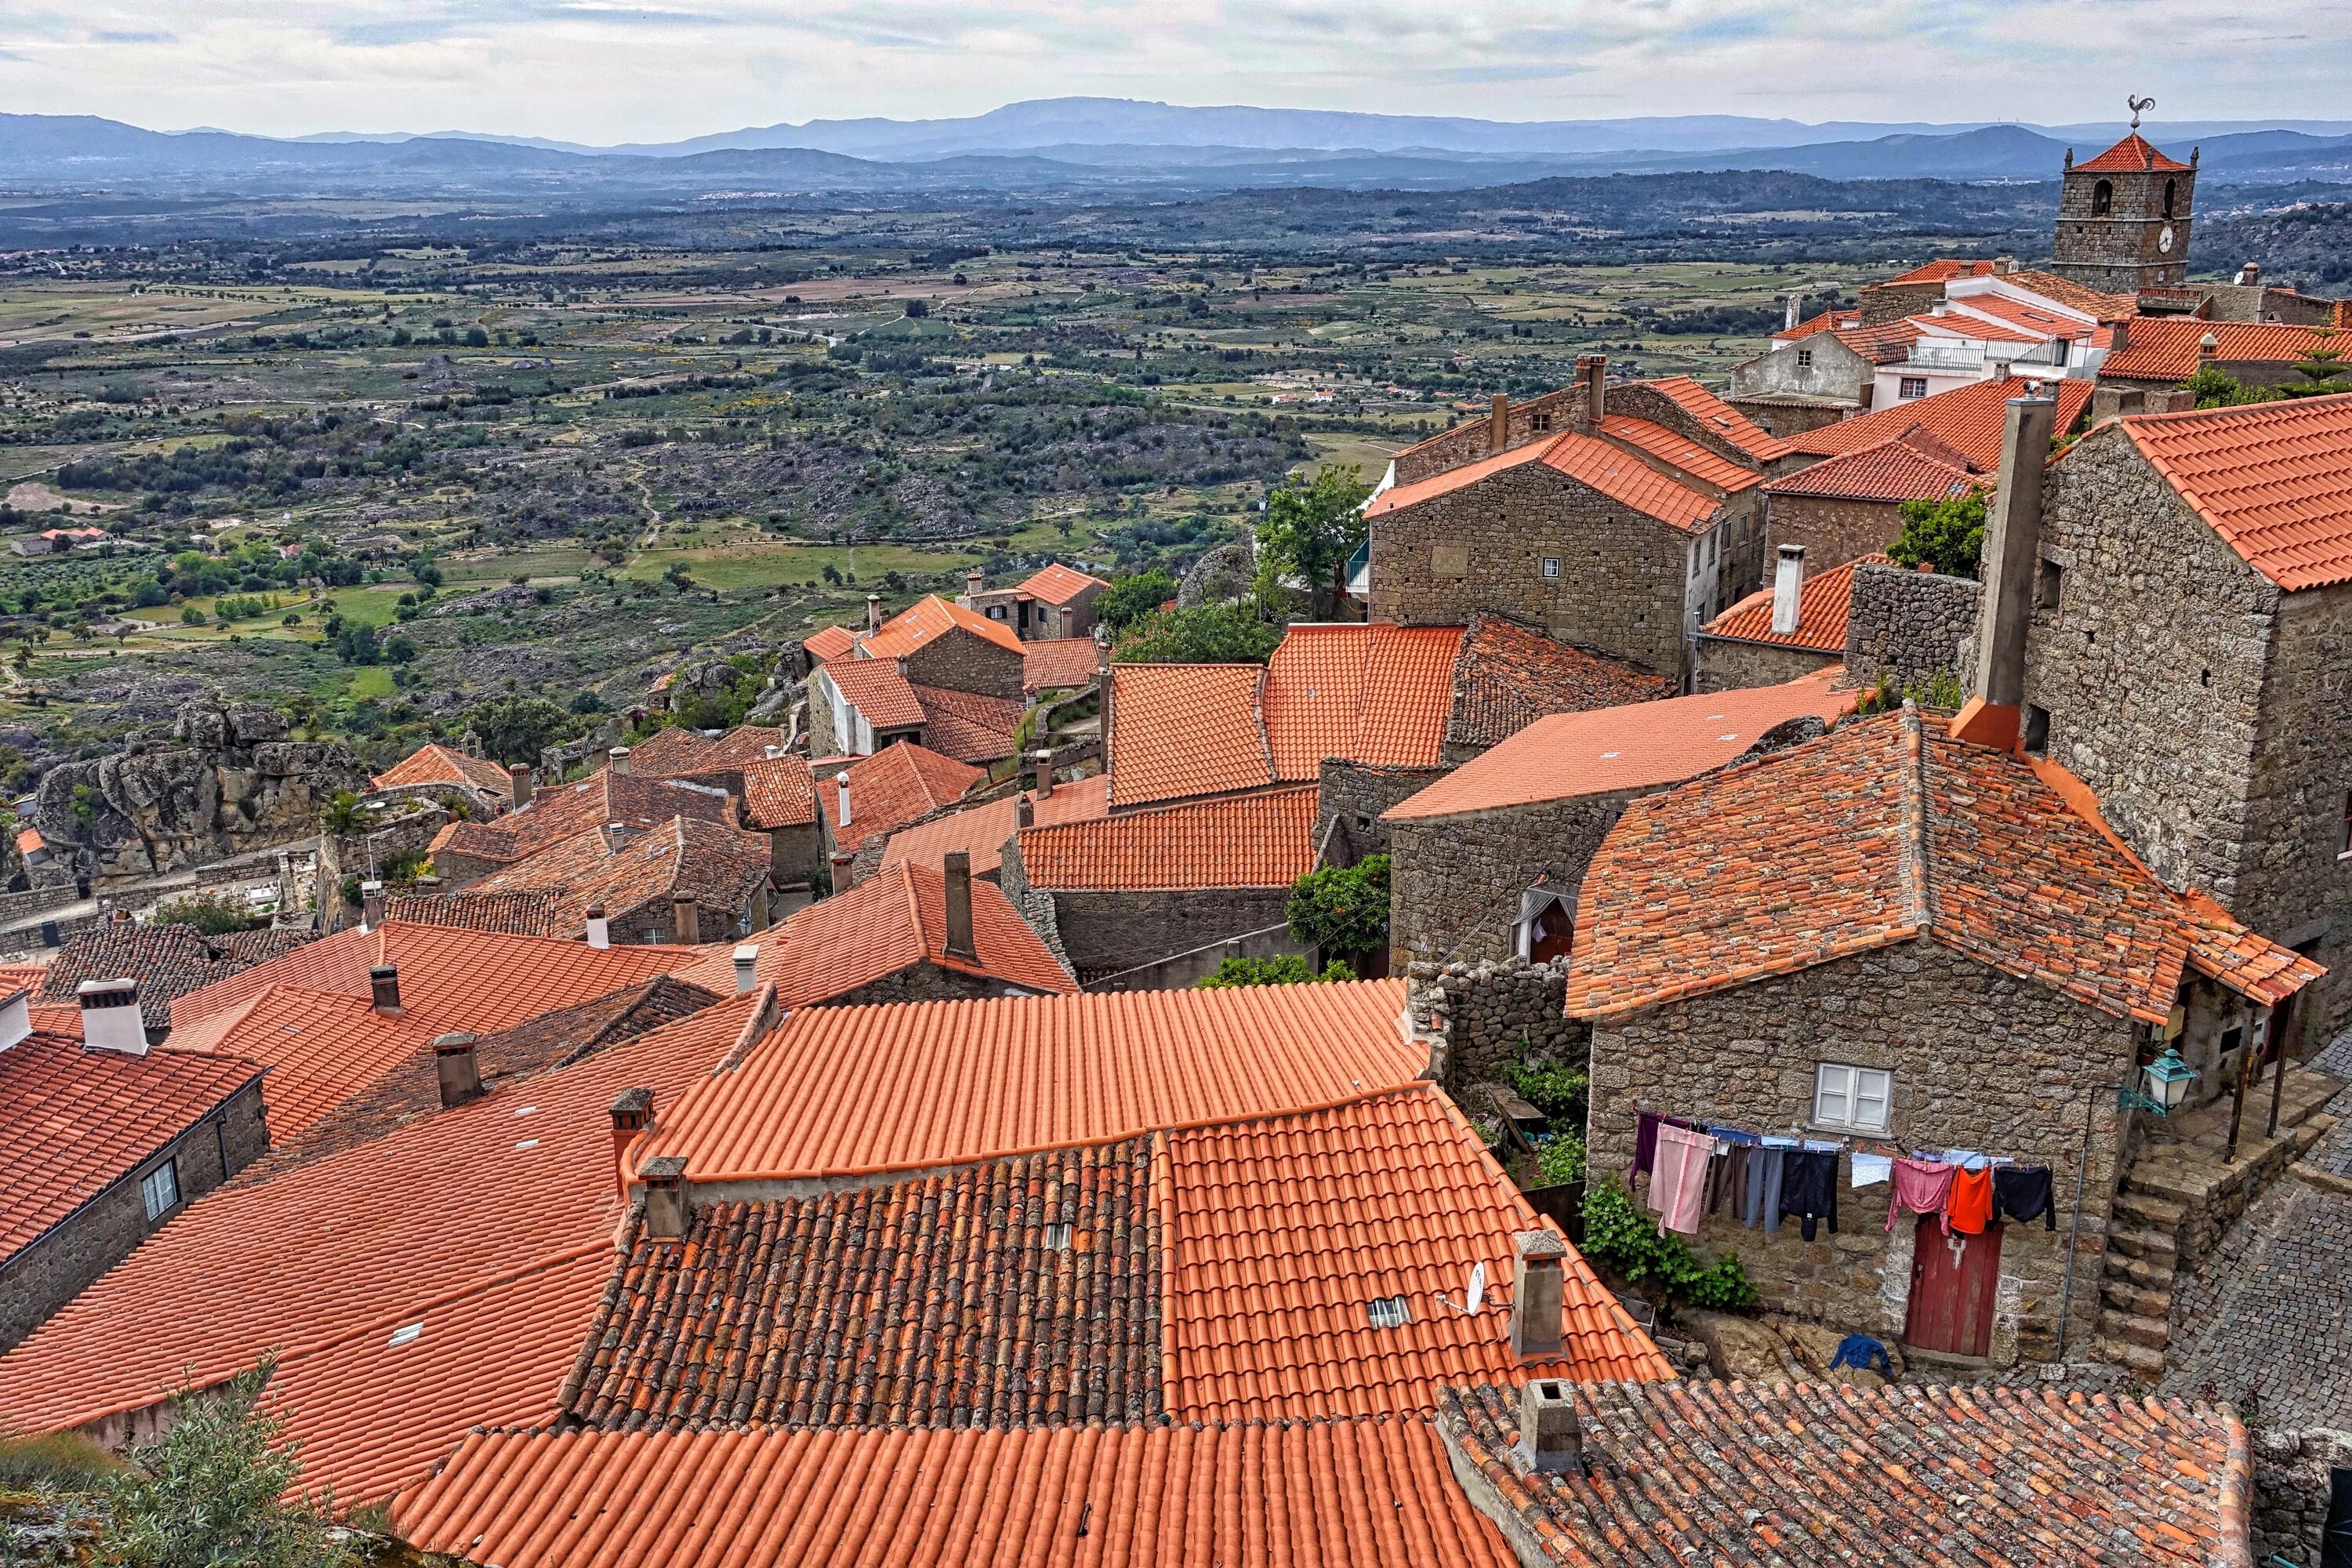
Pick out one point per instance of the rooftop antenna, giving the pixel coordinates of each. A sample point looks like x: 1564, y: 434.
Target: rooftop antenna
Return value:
x: 1473, y: 1298
x: 2138, y: 106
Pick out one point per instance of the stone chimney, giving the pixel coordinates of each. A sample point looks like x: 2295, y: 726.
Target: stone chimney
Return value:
x: 2119, y: 338
x: 1024, y: 812
x: 2002, y: 265
x: 2250, y: 276
x: 685, y: 920
x: 384, y: 987
x: 666, y: 1206
x: 520, y: 779
x: 1787, y: 590
x: 972, y: 584
x: 1551, y: 1440
x: 1593, y: 374
x: 1103, y: 688
x: 1498, y: 423
x: 2012, y: 545
x: 371, y: 905
x: 747, y: 967
x: 873, y: 611
x: 1536, y: 1293
x: 841, y: 783
x: 16, y: 1019
x: 600, y: 931
x: 959, y: 891
x: 618, y: 759
x: 758, y: 908
x: 1042, y: 769
x: 2209, y: 347
x: 459, y: 1071
x: 110, y: 1016
x: 1794, y: 313
x: 633, y: 1113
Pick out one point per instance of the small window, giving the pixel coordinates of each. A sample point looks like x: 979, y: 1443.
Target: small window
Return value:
x: 2103, y: 198
x: 2233, y: 1038
x: 1852, y: 1098
x: 1542, y: 422
x: 2172, y: 191
x: 2046, y: 590
x: 1057, y: 1238
x: 160, y: 1188
x: 2037, y: 729
x: 1804, y: 359
x: 1388, y: 1312
x: 1913, y: 386
x: 995, y: 611
x: 1551, y: 565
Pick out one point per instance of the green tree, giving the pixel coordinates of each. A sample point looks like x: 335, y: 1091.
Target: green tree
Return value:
x: 86, y: 803
x: 514, y: 729
x: 679, y: 577
x: 191, y: 616
x: 2214, y: 387
x: 1285, y: 969
x: 2323, y: 370
x: 1342, y: 909
x: 341, y: 814
x: 1307, y: 533
x: 1130, y: 598
x: 1206, y: 634
x: 1946, y: 535
x: 214, y: 914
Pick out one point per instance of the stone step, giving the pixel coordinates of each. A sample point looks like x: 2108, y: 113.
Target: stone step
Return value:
x: 2141, y: 1303
x: 2145, y: 1211
x: 2155, y: 1245
x: 2141, y: 1273
x: 2151, y: 1333
x: 2147, y: 1362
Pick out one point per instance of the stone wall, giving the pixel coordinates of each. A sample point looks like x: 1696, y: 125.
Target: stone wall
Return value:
x: 1468, y: 441
x: 43, y: 1277
x: 1353, y: 794
x: 1833, y: 529
x: 1786, y: 417
x: 921, y: 983
x: 1728, y: 664
x: 402, y: 830
x: 1455, y: 881
x: 2295, y: 884
x: 1832, y: 371
x: 1103, y: 933
x: 1181, y: 971
x: 2120, y: 251
x: 1485, y: 1017
x: 2291, y: 1491
x: 1981, y: 1061
x: 965, y: 661
x: 1910, y: 625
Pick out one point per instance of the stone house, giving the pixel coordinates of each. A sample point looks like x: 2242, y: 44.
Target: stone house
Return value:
x: 685, y: 881
x: 941, y: 644
x: 863, y: 798
x: 858, y: 706
x: 466, y: 850
x: 482, y: 781
x: 2153, y: 358
x: 1791, y: 629
x: 1056, y: 603
x: 1895, y: 940
x: 1966, y: 422
x: 2123, y: 218
x: 780, y: 800
x: 1846, y: 507
x: 1486, y: 861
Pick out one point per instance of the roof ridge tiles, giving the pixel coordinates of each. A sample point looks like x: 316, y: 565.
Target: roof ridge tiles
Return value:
x: 1914, y: 844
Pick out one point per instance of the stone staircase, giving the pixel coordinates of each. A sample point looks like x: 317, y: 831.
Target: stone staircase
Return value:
x: 2179, y: 1199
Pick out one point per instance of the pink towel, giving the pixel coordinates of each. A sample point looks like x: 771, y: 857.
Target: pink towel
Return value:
x: 1678, y: 1179
x: 1920, y: 1187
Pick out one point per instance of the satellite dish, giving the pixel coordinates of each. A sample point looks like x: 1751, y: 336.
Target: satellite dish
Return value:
x: 1477, y: 1297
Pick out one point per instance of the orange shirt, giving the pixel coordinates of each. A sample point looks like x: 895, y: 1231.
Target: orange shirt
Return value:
x: 1969, y: 1208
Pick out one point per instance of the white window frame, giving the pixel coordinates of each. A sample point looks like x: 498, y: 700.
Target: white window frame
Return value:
x: 164, y: 1179
x: 1841, y: 1090
x: 1551, y: 565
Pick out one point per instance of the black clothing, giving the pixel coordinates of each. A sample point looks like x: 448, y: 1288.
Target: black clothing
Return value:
x: 1808, y: 1183
x: 2023, y: 1193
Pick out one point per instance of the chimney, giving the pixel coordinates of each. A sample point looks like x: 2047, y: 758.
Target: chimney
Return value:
x: 2250, y: 276
x: 633, y: 1113
x: 1536, y: 1293
x: 2208, y: 346
x: 841, y: 783
x: 666, y: 1206
x: 684, y: 918
x: 1787, y: 590
x: 371, y: 905
x: 2002, y: 265
x: 2013, y: 544
x: 16, y: 1019
x: 958, y: 881
x: 616, y: 837
x: 972, y: 580
x: 1793, y: 314
x: 2118, y: 337
x: 459, y: 1071
x: 520, y: 778
x: 618, y: 759
x: 873, y: 611
x: 747, y: 967
x: 1593, y: 374
x: 1551, y: 1441
x: 110, y: 1016
x: 900, y: 664
x: 758, y: 906
x: 600, y: 932
x: 1024, y: 812
x: 1498, y: 423
x: 384, y: 986
x: 1043, y: 766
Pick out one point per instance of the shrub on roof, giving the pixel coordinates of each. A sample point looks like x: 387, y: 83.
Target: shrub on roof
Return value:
x: 1286, y: 969
x: 1207, y: 634
x: 1342, y: 909
x: 213, y: 914
x: 1946, y: 535
x: 59, y: 1462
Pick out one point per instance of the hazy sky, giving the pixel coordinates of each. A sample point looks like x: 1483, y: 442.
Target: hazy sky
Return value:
x: 607, y: 70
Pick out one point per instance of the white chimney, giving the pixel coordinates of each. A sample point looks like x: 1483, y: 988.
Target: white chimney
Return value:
x: 841, y: 782
x: 110, y: 1016
x: 747, y: 967
x: 371, y: 905
x: 1787, y: 590
x: 16, y: 1019
x: 873, y: 611
x: 618, y: 759
x: 600, y: 933
x: 1795, y: 313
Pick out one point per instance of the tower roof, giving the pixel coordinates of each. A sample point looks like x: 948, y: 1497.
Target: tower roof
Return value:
x: 2135, y: 155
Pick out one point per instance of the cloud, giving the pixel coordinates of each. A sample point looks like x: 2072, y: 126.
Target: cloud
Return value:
x: 134, y: 38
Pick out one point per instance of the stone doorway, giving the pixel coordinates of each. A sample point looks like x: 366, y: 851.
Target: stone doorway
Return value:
x: 1953, y: 1280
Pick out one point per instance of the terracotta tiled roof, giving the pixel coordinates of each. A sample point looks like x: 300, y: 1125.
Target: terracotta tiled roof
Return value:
x: 1058, y: 584
x: 1944, y: 271
x: 719, y: 865
x: 1715, y: 413
x: 1884, y: 343
x: 2168, y: 348
x: 248, y: 948
x: 518, y: 914
x: 168, y: 962
x: 891, y: 789
x: 1264, y: 840
x: 850, y: 1090
x: 1967, y: 419
x: 1912, y: 467
x: 2038, y: 322
x: 1283, y: 1230
x: 740, y: 747
x: 561, y: 812
x: 925, y: 620
x: 779, y: 793
x: 1181, y: 729
x: 1821, y: 606
x: 1640, y: 747
x: 319, y: 1049
x: 981, y: 831
x: 2274, y: 480
x: 1059, y: 664
x: 1812, y: 1474
x: 488, y: 1229
x: 1397, y: 497
x: 2133, y: 155
x: 875, y: 688
x: 830, y: 643
x: 1883, y: 831
x: 1627, y: 480
x: 433, y: 763
x: 84, y: 1120
x: 475, y: 840
x: 1674, y: 447
x: 667, y: 752
x: 1378, y: 694
x: 334, y: 963
x: 784, y: 1311
x: 1373, y: 1494
x: 967, y: 726
x: 1811, y: 326
x: 1979, y: 328
x: 1506, y: 677
x: 2102, y: 306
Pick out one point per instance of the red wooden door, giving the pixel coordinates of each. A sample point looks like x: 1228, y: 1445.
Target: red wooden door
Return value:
x: 1549, y: 937
x: 1952, y: 1280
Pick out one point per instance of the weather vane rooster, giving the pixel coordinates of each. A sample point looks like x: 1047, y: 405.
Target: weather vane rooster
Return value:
x: 2139, y: 107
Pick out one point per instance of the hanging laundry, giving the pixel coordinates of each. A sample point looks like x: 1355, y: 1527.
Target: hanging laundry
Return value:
x: 1645, y: 1143
x: 2023, y: 1194
x: 1921, y: 1186
x: 1678, y: 1178
x: 1760, y: 1204
x: 1869, y: 1170
x: 1969, y: 1209
x: 1723, y: 1173
x: 1809, y: 1188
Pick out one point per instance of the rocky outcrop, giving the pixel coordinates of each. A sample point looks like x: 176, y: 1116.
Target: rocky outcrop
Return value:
x: 227, y: 780
x: 709, y: 680
x: 1222, y: 576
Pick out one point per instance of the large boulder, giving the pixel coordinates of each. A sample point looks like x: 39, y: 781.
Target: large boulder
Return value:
x: 1222, y: 576
x: 1740, y: 1347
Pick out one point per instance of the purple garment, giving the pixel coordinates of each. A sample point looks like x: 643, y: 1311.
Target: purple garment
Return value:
x: 1645, y: 1143
x: 1921, y: 1186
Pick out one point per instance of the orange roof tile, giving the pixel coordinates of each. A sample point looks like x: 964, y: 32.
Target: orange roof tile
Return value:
x: 2102, y: 306
x: 1980, y: 329
x: 1811, y: 326
x: 829, y: 643
x: 1374, y: 1493
x: 1639, y: 747
x: 1944, y: 271
x: 1720, y: 416
x: 2274, y: 480
x: 1059, y: 664
x: 1398, y: 497
x: 2133, y: 155
x: 875, y: 688
x: 1883, y: 831
x: 1673, y: 447
x: 1181, y: 729
x: 1282, y: 1231
x: 967, y: 726
x: 488, y: 1229
x: 670, y: 750
x: 1913, y: 467
x: 981, y: 831
x: 561, y: 811
x: 318, y: 1048
x: 519, y: 914
x: 1058, y: 584
x: 1264, y: 840
x: 894, y: 920
x: 718, y: 864
x: 891, y: 789
x: 1378, y: 694
x: 926, y: 620
x: 1508, y: 677
x: 1967, y: 419
x: 2166, y: 348
x: 433, y: 764
x: 1884, y: 343
x: 2038, y: 322
x: 740, y: 747
x: 849, y: 1090
x: 1821, y: 606
x: 779, y: 793
x: 1628, y: 480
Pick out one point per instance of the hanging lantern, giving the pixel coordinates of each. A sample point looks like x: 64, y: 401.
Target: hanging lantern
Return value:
x: 2166, y: 1082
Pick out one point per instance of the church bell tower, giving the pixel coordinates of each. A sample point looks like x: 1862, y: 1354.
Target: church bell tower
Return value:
x: 2122, y: 217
